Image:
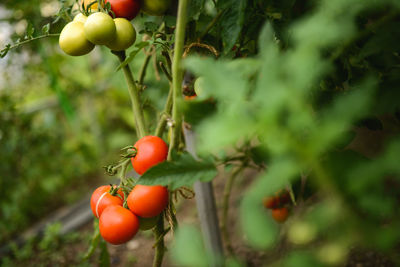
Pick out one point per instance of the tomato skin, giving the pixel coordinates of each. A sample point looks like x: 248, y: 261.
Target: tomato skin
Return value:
x: 73, y: 40
x: 148, y: 201
x: 100, y: 28
x: 155, y: 7
x: 118, y: 225
x: 125, y: 35
x: 80, y: 17
x: 280, y: 215
x: 127, y: 9
x: 271, y: 202
x: 106, y: 200
x: 151, y: 150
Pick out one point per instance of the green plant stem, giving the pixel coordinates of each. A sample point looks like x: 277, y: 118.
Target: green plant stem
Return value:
x: 164, y: 116
x: 159, y: 237
x: 177, y: 75
x: 33, y: 39
x: 134, y: 95
x: 142, y: 72
x: 225, y: 207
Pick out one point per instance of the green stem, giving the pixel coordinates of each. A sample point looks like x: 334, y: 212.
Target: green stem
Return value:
x: 33, y: 39
x: 143, y: 69
x: 160, y: 247
x: 225, y: 207
x: 134, y: 95
x: 164, y: 116
x: 177, y: 75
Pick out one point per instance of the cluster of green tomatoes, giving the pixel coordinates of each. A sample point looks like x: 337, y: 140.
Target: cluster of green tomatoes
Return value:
x: 81, y: 35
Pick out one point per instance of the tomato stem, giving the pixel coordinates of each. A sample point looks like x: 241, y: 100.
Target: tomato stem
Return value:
x: 134, y: 95
x: 177, y: 75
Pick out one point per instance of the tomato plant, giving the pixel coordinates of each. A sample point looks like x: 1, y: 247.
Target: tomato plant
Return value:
x: 127, y: 9
x: 100, y: 28
x: 102, y: 198
x: 148, y: 201
x: 150, y: 150
x: 118, y: 225
x: 73, y: 39
x: 125, y: 35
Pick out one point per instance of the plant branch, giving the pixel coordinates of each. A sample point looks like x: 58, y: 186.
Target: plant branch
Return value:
x: 159, y: 237
x: 134, y: 95
x: 225, y: 207
x: 177, y: 75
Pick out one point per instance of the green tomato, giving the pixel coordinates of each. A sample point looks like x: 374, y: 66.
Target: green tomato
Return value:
x: 100, y: 28
x: 155, y: 7
x: 73, y: 41
x: 80, y: 17
x: 198, y: 86
x: 125, y: 35
x: 147, y: 223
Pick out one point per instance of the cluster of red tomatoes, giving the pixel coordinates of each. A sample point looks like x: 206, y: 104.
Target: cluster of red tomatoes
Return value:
x: 144, y: 203
x: 80, y: 36
x: 278, y: 205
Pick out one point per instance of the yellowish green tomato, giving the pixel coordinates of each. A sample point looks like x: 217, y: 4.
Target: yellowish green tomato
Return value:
x: 125, y: 35
x: 80, y: 17
x: 198, y: 86
x: 155, y: 7
x: 73, y: 41
x: 86, y: 3
x: 100, y: 28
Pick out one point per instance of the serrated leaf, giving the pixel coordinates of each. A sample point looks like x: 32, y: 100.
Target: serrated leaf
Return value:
x: 183, y: 171
x: 195, y: 8
x: 231, y: 21
x: 151, y: 26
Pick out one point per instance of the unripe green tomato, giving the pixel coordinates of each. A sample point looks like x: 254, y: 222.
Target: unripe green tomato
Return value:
x: 81, y: 18
x: 73, y: 41
x: 125, y: 35
x: 100, y: 28
x: 155, y: 7
x: 301, y: 233
x: 147, y: 223
x: 198, y: 86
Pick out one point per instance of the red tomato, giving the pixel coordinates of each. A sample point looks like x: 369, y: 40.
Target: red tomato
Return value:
x: 127, y: 9
x: 280, y: 215
x: 151, y: 150
x: 271, y: 202
x: 118, y: 225
x: 101, y: 199
x: 148, y: 201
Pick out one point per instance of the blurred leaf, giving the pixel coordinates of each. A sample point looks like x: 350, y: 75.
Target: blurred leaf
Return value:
x: 184, y: 170
x: 104, y: 257
x: 188, y: 248
x: 195, y: 8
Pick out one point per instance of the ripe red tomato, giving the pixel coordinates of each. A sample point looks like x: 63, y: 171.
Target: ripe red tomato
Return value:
x: 127, y: 9
x: 148, y: 201
x: 271, y: 202
x: 151, y: 150
x: 280, y: 215
x: 101, y: 199
x: 118, y: 225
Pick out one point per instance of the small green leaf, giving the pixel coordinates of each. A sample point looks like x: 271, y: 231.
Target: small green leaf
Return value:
x: 184, y: 170
x: 29, y: 31
x: 46, y: 29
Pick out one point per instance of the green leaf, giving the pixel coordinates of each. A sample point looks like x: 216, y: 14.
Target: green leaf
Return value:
x: 104, y: 257
x: 94, y: 243
x: 194, y: 111
x: 29, y: 31
x: 195, y: 8
x: 231, y: 21
x: 188, y: 248
x: 184, y: 170
x: 46, y: 29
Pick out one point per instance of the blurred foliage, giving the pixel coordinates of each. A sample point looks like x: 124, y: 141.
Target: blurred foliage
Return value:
x: 307, y: 83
